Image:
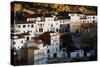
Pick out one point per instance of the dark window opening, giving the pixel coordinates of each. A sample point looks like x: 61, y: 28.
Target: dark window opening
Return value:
x: 14, y: 43
x: 41, y: 30
x: 48, y: 51
x: 51, y: 25
x: 24, y: 26
x: 57, y: 30
x: 27, y: 38
x: 40, y: 25
x: 19, y: 26
x: 55, y: 55
x: 22, y: 42
x: 93, y: 21
x: 31, y: 26
x: 93, y: 17
x: 28, y: 25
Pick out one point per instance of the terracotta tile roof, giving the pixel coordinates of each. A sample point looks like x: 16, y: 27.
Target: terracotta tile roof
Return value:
x: 45, y: 37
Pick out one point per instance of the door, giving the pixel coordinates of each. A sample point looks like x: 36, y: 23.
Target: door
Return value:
x: 27, y: 38
x: 55, y: 55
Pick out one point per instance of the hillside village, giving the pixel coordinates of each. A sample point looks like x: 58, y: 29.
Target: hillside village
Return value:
x: 53, y: 37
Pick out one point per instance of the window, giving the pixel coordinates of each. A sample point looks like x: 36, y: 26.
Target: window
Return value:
x: 51, y: 25
x: 93, y: 21
x: 18, y: 46
x: 40, y: 25
x: 93, y: 17
x: 19, y: 26
x: 28, y: 25
x: 44, y: 44
x: 48, y: 51
x: 22, y: 42
x: 56, y: 30
x: 14, y: 43
x: 40, y: 29
x: 24, y: 26
x: 32, y: 26
x: 64, y: 50
x: 27, y: 38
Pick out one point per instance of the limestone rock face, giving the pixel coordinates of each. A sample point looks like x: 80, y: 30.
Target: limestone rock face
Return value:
x: 32, y: 8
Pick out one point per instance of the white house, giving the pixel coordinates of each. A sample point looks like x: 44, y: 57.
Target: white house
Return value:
x: 74, y: 17
x: 74, y: 22
x: 92, y: 18
x: 45, y: 23
x: 35, y: 56
x: 17, y: 42
x: 53, y: 47
x: 23, y: 27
